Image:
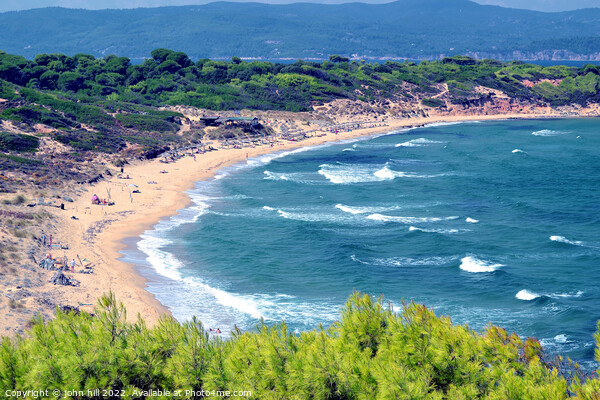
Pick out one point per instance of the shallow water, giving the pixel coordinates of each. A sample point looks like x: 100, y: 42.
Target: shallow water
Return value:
x: 492, y: 222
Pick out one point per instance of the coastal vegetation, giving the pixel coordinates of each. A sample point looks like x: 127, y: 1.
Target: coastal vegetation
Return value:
x: 89, y: 107
x: 85, y: 90
x: 371, y: 353
x: 413, y: 29
x: 109, y: 105
x: 17, y: 142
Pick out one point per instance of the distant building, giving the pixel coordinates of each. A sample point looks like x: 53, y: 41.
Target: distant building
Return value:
x: 211, y: 120
x: 241, y: 121
x: 216, y: 120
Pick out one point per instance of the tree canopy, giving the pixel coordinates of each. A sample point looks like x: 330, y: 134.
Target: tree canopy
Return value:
x: 371, y: 353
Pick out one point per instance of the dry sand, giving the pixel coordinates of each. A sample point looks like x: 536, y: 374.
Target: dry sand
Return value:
x: 98, y: 233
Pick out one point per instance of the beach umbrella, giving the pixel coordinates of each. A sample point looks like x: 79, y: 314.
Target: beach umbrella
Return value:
x: 132, y: 185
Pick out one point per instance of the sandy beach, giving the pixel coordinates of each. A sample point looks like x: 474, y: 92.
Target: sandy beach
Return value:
x: 95, y: 233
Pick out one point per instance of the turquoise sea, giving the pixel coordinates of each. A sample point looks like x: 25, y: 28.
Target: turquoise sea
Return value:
x: 495, y: 222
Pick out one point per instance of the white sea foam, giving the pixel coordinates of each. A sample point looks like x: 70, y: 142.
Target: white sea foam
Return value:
x: 420, y: 142
x: 404, y: 261
x: 366, y: 209
x: 275, y: 156
x: 518, y: 151
x: 165, y: 263
x: 407, y: 220
x: 386, y: 173
x: 579, y: 293
x: 268, y: 208
x: 414, y: 228
x: 152, y: 241
x: 349, y: 149
x: 288, y: 308
x: 562, y: 239
x: 275, y: 177
x: 434, y: 124
x: 363, y: 173
x: 471, y: 220
x: 562, y: 338
x: 318, y: 217
x: 526, y: 295
x: 227, y: 299
x: 548, y: 132
x: 221, y: 175
x: 348, y: 173
x: 351, y: 210
x: 472, y: 264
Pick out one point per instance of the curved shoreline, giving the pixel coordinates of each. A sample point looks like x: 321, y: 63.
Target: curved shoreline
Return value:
x: 100, y: 231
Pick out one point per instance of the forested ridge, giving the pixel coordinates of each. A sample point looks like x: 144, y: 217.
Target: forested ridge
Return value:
x: 101, y: 104
x: 371, y: 353
x: 172, y: 78
x: 414, y: 29
x: 109, y: 105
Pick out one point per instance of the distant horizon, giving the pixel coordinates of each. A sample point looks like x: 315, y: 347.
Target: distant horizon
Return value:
x: 20, y: 5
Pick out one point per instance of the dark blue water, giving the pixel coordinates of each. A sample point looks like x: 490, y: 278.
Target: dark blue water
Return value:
x: 486, y: 222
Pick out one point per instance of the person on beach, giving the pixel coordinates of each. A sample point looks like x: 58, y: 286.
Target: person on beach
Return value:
x: 73, y: 265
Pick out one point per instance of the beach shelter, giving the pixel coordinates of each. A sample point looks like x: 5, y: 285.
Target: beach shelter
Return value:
x: 60, y: 279
x: 132, y: 185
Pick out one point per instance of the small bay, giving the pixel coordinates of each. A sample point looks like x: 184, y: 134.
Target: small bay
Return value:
x: 494, y: 222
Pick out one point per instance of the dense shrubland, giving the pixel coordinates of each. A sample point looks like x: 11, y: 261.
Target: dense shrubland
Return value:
x: 83, y: 83
x: 109, y: 105
x: 371, y: 353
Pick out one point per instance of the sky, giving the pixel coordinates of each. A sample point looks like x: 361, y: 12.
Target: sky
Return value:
x: 539, y: 5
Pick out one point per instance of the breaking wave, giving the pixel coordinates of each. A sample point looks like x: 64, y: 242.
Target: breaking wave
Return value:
x: 472, y: 264
x: 414, y: 228
x: 407, y: 220
x: 420, y: 142
x: 562, y: 239
x: 364, y: 210
x: 364, y: 173
x: 404, y: 261
x: 548, y: 132
x: 527, y: 295
x: 275, y: 177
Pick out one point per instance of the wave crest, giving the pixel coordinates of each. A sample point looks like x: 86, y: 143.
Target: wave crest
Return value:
x: 548, y: 132
x: 414, y: 228
x: 475, y: 265
x: 562, y: 239
x: 420, y: 142
x: 526, y: 295
x: 404, y: 261
x: 275, y: 177
x: 407, y: 220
